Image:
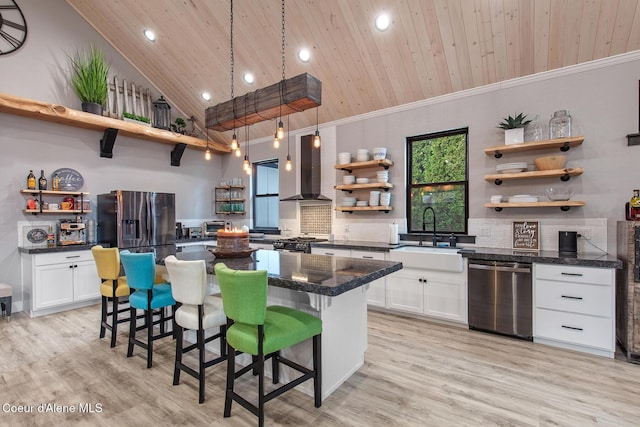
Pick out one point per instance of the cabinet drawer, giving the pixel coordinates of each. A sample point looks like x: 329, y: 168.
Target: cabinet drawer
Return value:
x: 62, y: 257
x: 574, y: 328
x: 568, y: 273
x: 367, y: 254
x: 575, y: 297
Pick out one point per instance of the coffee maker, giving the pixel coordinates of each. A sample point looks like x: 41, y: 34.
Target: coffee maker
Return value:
x: 71, y: 232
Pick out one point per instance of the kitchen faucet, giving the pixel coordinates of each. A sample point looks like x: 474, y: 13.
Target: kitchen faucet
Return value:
x: 424, y: 228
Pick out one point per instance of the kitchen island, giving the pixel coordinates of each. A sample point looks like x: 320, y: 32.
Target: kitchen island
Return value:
x: 331, y: 288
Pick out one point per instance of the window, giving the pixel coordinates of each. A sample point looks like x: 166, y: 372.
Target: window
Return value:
x: 266, y: 201
x: 437, y: 177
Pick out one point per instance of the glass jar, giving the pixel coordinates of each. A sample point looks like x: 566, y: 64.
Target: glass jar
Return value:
x: 560, y: 125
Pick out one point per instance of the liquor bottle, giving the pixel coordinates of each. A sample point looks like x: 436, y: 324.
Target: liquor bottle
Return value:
x: 634, y: 205
x: 42, y: 182
x: 31, y: 181
x: 55, y: 183
x: 51, y: 239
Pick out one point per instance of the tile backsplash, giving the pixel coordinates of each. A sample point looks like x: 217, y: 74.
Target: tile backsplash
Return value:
x: 315, y: 219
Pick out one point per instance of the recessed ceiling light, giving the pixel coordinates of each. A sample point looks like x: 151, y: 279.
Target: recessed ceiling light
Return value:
x: 150, y: 35
x: 383, y: 21
x: 304, y: 55
x: 206, y: 96
x: 248, y: 78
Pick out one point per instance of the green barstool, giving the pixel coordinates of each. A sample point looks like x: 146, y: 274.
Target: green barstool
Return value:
x: 262, y: 331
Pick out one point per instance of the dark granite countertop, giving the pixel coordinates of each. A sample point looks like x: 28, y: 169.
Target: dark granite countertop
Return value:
x: 358, y: 245
x: 600, y: 260
x: 67, y: 248
x: 265, y: 239
x: 318, y: 274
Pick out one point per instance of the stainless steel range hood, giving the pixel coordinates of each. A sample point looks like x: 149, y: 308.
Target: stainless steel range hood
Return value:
x: 310, y: 173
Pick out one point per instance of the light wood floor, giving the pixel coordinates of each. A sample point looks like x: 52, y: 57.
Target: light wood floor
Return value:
x: 416, y: 373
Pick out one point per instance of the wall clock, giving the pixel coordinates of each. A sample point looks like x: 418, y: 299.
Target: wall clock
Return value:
x: 13, y: 27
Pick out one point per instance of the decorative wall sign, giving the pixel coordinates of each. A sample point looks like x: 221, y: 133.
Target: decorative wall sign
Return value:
x: 70, y: 179
x: 526, y: 235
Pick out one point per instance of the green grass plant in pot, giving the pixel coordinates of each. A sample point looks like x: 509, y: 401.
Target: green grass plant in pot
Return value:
x: 89, y: 79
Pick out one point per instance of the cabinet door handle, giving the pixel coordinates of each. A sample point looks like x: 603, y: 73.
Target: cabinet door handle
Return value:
x: 367, y: 257
x: 572, y: 274
x: 572, y: 328
x: 570, y: 297
x: 71, y: 266
x: 329, y: 253
x: 72, y: 256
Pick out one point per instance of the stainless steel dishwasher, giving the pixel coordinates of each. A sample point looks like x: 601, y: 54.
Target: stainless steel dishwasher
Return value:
x: 500, y: 298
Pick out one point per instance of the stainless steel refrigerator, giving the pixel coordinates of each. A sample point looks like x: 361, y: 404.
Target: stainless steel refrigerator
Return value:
x: 139, y: 221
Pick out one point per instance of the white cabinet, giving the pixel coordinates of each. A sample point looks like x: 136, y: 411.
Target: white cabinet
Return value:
x: 331, y: 251
x: 267, y: 246
x: 436, y: 294
x: 376, y: 294
x: 405, y: 290
x: 574, y: 308
x: 59, y: 281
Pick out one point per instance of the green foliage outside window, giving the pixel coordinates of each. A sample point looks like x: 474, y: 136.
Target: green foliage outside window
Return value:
x: 437, y: 165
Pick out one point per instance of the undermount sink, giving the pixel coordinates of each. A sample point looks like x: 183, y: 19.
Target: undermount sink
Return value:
x: 428, y: 258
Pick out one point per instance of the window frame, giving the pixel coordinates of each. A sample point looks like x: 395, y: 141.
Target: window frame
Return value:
x: 409, y: 186
x: 255, y: 195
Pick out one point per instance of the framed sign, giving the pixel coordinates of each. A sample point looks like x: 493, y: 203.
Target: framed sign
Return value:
x: 526, y: 235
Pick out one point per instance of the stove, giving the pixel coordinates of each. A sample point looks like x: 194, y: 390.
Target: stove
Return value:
x: 297, y: 244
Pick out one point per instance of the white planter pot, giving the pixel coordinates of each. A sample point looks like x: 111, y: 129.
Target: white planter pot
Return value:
x: 514, y: 136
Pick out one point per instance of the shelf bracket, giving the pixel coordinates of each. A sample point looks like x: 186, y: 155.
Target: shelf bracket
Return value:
x: 565, y: 147
x: 498, y: 181
x: 498, y: 209
x: 176, y: 153
x: 346, y: 170
x: 497, y: 154
x: 347, y: 191
x: 386, y: 189
x: 107, y: 142
x: 386, y: 167
x: 565, y: 208
x: 566, y: 177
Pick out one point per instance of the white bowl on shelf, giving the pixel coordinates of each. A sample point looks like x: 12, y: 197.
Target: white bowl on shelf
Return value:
x: 379, y: 153
x: 362, y: 155
x: 559, y: 193
x: 344, y: 158
x: 362, y: 180
x: 348, y: 179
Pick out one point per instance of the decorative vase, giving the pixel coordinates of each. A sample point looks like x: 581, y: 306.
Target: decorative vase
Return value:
x: 514, y: 136
x: 92, y: 107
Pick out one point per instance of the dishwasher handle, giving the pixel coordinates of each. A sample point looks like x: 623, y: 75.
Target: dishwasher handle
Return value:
x: 510, y: 269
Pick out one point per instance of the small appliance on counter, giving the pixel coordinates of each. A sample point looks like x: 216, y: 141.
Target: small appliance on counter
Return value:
x: 71, y: 232
x: 568, y: 242
x: 192, y: 232
x: 178, y: 230
x: 210, y: 228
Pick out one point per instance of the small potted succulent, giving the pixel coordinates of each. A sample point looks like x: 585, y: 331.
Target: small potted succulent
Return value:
x: 179, y: 125
x: 514, y: 128
x: 132, y: 118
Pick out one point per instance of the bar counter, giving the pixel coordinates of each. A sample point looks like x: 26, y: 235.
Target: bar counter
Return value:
x: 333, y: 289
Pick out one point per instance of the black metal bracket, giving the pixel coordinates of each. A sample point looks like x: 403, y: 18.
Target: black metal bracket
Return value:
x: 386, y: 167
x: 498, y: 181
x: 346, y: 170
x: 566, y: 177
x: 565, y: 208
x: 176, y: 153
x: 633, y: 139
x: 107, y: 142
x: 565, y: 147
x: 498, y: 209
x: 497, y: 154
x: 346, y: 190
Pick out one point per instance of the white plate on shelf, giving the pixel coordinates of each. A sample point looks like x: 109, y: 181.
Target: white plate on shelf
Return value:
x: 523, y: 198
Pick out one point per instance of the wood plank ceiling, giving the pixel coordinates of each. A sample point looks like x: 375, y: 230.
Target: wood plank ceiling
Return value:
x: 432, y: 48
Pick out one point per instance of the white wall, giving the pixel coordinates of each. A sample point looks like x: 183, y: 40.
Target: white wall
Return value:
x: 602, y: 98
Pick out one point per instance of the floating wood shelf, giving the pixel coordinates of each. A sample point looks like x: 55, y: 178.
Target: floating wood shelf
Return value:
x: 385, y: 209
x: 374, y: 185
x: 38, y: 110
x: 349, y: 167
x: 563, y: 205
x: 56, y: 211
x: 562, y: 143
x: 563, y: 174
x: 53, y: 192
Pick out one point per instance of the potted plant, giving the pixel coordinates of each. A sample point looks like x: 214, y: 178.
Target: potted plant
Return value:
x: 89, y: 79
x: 179, y: 125
x: 132, y: 118
x: 514, y: 128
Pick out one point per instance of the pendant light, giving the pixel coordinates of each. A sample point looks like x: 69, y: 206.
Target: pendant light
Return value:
x: 288, y: 165
x: 276, y: 141
x: 280, y: 132
x: 234, y: 138
x: 247, y: 164
x: 316, y: 136
x: 207, y: 153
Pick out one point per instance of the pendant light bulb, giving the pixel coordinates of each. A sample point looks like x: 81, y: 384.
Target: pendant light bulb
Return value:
x: 280, y: 133
x: 316, y: 139
x: 234, y: 141
x: 287, y: 165
x: 238, y: 153
x: 207, y: 154
x: 276, y: 142
x: 248, y: 170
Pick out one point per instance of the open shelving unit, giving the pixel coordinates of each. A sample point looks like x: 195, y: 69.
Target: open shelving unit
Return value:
x: 41, y: 193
